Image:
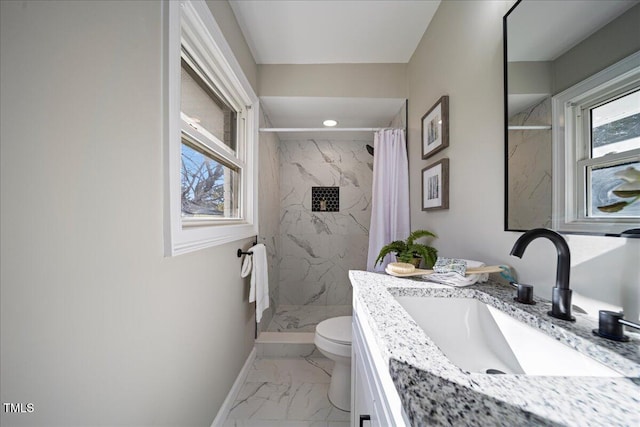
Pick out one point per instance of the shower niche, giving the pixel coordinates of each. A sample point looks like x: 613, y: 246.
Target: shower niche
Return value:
x: 325, y: 199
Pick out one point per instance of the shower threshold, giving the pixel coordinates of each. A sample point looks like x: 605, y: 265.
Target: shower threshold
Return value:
x: 285, y: 337
x: 292, y: 330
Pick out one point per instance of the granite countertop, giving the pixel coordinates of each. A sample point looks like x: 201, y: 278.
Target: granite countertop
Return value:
x: 434, y: 391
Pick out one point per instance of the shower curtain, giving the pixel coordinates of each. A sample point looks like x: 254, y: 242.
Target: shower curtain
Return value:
x: 390, y: 194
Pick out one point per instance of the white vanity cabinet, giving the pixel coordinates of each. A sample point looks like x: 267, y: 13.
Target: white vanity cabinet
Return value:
x: 374, y: 399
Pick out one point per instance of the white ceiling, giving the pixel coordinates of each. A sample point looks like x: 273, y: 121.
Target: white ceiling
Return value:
x: 325, y: 32
x: 333, y: 31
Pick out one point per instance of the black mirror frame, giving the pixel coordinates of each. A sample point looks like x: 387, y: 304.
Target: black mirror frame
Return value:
x: 505, y: 104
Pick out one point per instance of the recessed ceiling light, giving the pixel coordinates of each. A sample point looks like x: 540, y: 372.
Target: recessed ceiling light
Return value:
x: 330, y: 123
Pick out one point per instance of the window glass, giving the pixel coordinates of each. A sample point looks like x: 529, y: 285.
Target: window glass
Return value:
x: 205, y: 111
x: 610, y: 192
x: 615, y: 126
x: 611, y: 173
x: 207, y: 185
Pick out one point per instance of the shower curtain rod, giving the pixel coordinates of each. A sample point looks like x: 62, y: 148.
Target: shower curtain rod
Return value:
x: 321, y: 129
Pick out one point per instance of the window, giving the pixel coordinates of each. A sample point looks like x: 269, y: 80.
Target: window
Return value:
x: 612, y: 156
x: 210, y: 135
x: 596, y: 127
x: 205, y: 110
x: 211, y: 168
x: 208, y: 187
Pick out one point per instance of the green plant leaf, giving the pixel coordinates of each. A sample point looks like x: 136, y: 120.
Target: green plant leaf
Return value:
x: 626, y: 193
x: 414, y: 235
x: 397, y: 246
x: 615, y: 207
x: 407, y: 250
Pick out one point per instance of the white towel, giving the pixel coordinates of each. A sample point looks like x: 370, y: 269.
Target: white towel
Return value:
x: 457, y: 280
x: 256, y: 264
x: 247, y: 266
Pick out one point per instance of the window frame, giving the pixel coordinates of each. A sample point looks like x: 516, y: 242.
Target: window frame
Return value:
x: 571, y: 135
x: 190, y: 27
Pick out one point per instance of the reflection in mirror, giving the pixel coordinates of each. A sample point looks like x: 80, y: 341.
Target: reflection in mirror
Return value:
x: 550, y: 47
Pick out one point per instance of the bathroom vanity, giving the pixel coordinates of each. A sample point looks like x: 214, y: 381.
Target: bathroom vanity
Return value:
x: 400, y: 376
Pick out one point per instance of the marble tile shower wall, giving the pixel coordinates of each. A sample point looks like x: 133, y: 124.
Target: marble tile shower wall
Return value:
x: 530, y: 169
x: 319, y: 248
x: 269, y: 218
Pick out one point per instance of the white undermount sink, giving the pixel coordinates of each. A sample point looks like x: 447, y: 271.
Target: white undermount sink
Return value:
x: 479, y: 338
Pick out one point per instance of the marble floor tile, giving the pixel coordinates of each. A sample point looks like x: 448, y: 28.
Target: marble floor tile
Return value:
x: 290, y: 371
x: 286, y: 392
x: 292, y: 402
x: 288, y: 351
x: 284, y: 423
x: 290, y: 392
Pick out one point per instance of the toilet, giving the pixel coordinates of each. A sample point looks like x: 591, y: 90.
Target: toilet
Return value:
x: 333, y: 339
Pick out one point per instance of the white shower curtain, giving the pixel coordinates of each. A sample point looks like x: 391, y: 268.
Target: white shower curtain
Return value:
x: 390, y: 198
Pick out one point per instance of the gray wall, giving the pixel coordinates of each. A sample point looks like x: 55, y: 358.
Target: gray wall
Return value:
x: 612, y: 43
x: 233, y: 34
x: 529, y: 77
x: 461, y: 55
x: 97, y: 326
x: 333, y: 80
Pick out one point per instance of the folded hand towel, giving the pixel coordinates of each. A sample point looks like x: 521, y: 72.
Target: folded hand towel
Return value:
x: 259, y: 291
x: 458, y: 280
x: 450, y: 265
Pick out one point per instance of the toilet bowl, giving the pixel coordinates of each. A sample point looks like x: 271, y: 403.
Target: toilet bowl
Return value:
x: 333, y: 339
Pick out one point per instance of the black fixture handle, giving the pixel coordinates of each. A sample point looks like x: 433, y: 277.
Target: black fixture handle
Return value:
x: 610, y: 326
x: 241, y: 252
x: 628, y: 323
x: 524, y: 293
x: 364, y: 418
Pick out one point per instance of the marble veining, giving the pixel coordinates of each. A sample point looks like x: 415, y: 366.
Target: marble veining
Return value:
x: 286, y: 392
x: 318, y: 248
x: 436, y: 392
x: 304, y: 318
x: 530, y: 169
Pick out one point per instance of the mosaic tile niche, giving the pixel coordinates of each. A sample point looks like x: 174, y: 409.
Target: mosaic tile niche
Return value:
x: 325, y: 199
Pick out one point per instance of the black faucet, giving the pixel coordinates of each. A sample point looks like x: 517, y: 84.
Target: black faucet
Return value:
x: 561, y: 296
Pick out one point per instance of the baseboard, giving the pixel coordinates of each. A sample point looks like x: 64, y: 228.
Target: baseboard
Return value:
x: 224, y: 410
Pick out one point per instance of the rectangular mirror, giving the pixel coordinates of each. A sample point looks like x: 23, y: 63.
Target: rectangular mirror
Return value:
x: 582, y: 179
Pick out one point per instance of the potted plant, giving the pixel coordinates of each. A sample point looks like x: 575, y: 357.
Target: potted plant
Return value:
x: 411, y: 252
